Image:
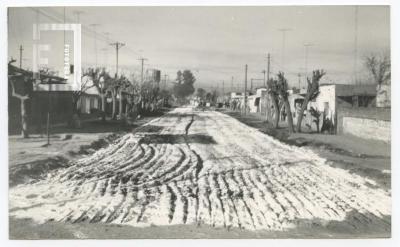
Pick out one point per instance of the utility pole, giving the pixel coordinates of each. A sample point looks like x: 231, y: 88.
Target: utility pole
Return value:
x: 118, y: 46
x: 20, y: 56
x: 223, y: 91
x: 106, y: 50
x: 165, y: 81
x: 283, y: 30
x: 142, y: 59
x: 299, y: 75
x: 264, y: 76
x: 95, y: 41
x: 269, y: 66
x: 232, y: 84
x: 306, y: 46
x: 355, y: 43
x: 245, y: 89
x: 78, y: 14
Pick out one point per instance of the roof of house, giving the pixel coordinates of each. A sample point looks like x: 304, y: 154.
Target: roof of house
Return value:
x: 352, y: 90
x: 44, y: 78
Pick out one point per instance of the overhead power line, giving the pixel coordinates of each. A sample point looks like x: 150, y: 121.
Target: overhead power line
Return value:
x: 86, y: 29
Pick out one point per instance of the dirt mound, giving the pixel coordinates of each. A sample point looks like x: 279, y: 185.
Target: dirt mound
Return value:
x: 40, y: 169
x: 25, y: 173
x: 96, y: 145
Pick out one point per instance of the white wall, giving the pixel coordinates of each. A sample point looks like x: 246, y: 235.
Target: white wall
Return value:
x: 251, y: 102
x: 367, y: 128
x: 260, y: 91
x: 327, y: 94
x: 383, y: 98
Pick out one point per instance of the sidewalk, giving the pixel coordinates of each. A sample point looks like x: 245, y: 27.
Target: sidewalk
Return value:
x: 30, y: 158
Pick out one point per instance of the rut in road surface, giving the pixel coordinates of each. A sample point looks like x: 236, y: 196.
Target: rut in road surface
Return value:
x: 202, y: 168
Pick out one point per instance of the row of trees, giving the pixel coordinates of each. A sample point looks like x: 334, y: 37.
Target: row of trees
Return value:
x: 184, y: 85
x: 205, y: 96
x: 138, y: 98
x: 378, y: 66
x: 146, y: 97
x: 278, y: 93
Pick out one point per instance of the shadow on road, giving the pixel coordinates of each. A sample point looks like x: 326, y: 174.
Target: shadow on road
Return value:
x: 149, y: 128
x: 179, y: 115
x: 351, y: 227
x: 177, y: 139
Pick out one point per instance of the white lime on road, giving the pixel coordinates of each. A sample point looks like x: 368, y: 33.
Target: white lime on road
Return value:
x: 195, y: 167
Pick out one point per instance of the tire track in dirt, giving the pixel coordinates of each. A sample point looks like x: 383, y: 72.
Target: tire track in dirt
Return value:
x: 233, y: 182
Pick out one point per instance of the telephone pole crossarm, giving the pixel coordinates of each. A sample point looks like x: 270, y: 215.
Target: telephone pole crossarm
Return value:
x: 117, y: 46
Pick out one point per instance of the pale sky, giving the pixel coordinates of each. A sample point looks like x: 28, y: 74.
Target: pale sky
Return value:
x: 216, y: 42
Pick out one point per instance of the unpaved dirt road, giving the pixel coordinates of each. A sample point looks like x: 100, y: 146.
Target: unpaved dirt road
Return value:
x: 194, y: 167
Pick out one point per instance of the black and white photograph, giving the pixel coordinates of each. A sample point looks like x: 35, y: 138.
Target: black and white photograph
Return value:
x: 198, y: 121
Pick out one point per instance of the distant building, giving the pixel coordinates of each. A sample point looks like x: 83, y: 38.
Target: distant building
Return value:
x: 333, y: 96
x: 153, y: 75
x: 41, y: 100
x: 90, y: 100
x: 87, y: 102
x: 236, y: 100
x: 195, y: 101
x: 295, y: 101
x: 236, y: 95
x: 255, y: 100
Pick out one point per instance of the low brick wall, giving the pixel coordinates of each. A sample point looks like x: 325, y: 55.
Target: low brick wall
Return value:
x: 367, y: 128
